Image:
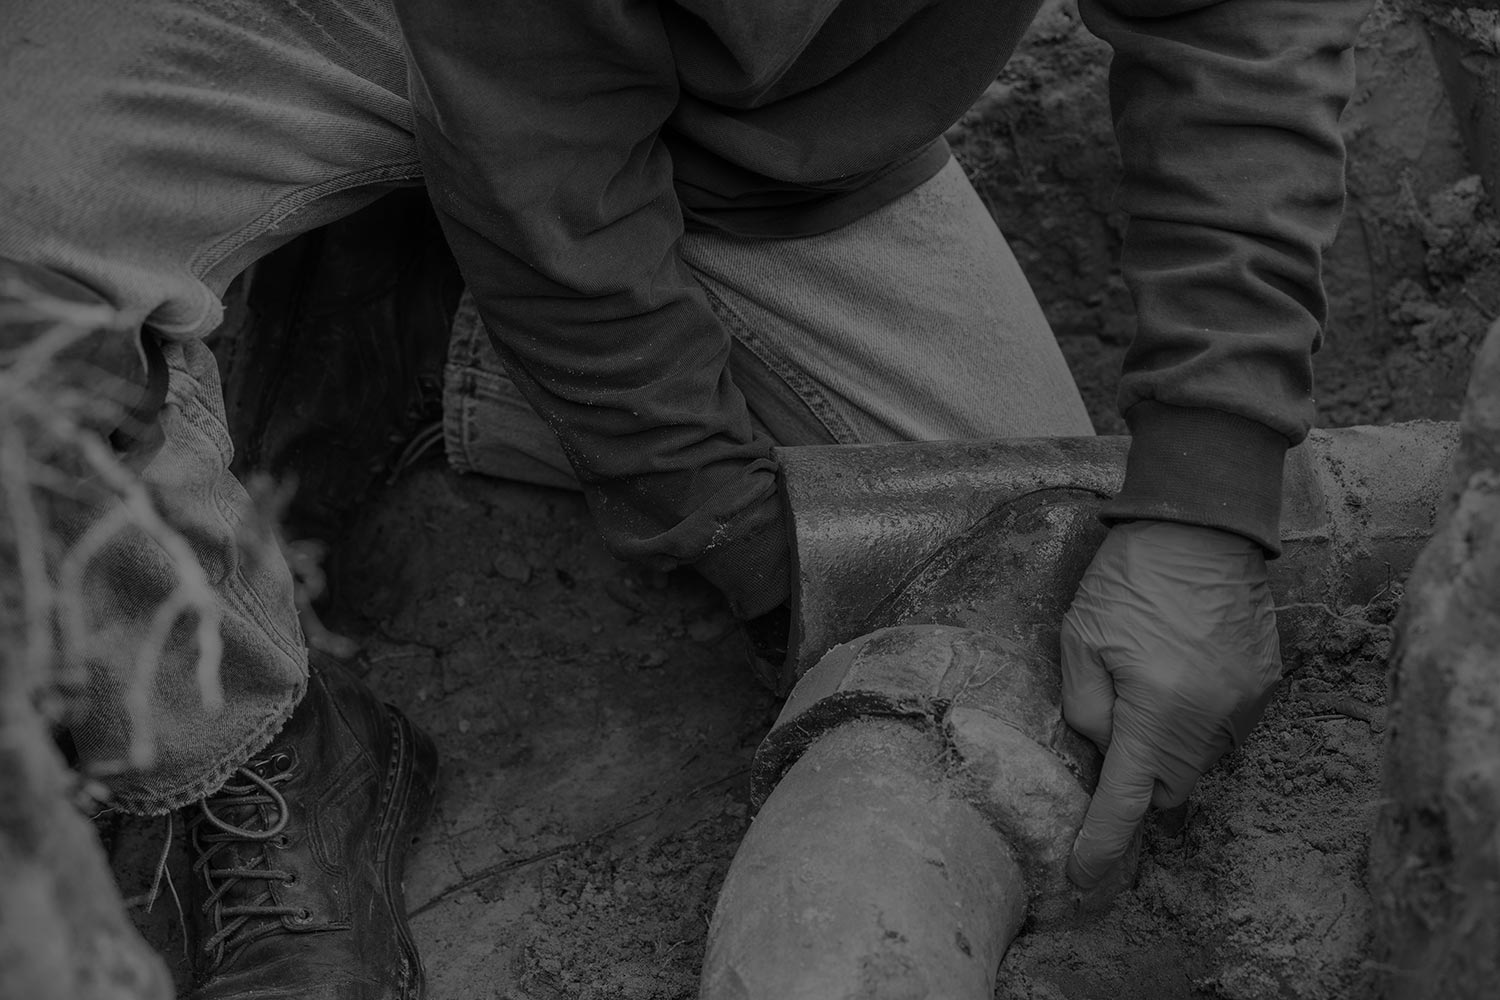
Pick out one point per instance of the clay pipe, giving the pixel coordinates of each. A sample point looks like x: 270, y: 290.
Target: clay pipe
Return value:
x: 940, y: 891
x: 994, y: 535
x: 828, y: 896
x: 919, y: 796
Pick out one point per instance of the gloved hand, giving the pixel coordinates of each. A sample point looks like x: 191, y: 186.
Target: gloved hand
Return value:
x: 1169, y: 656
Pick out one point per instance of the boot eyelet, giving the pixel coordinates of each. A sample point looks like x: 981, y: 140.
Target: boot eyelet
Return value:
x: 303, y: 915
x: 282, y: 841
x: 291, y: 878
x: 280, y: 762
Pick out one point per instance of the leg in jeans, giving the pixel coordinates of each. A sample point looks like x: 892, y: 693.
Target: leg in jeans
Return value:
x: 154, y: 148
x: 263, y: 667
x: 913, y: 323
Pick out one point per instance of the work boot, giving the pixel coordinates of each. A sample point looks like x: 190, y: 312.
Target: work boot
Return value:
x: 297, y: 861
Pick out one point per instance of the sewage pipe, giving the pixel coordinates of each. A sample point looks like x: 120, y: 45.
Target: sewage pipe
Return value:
x: 919, y: 793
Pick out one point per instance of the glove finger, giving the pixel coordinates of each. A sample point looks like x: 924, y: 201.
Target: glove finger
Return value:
x: 1243, y: 721
x: 1088, y: 691
x: 1119, y: 803
x: 1178, y: 773
x: 1170, y: 792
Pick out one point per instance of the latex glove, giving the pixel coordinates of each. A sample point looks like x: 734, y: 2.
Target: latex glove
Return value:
x: 1169, y: 656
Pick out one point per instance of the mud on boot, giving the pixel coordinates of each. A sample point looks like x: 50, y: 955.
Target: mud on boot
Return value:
x: 298, y: 860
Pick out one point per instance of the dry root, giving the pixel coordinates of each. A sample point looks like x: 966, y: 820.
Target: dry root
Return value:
x: 51, y: 457
x: 63, y: 931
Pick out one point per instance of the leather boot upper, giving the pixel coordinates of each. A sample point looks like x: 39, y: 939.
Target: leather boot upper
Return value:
x: 297, y: 860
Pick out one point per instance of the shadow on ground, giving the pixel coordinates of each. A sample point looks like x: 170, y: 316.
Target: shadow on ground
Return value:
x: 596, y: 725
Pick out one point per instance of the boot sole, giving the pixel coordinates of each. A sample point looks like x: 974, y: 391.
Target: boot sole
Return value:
x: 411, y: 783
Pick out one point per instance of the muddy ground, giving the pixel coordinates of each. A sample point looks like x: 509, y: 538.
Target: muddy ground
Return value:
x: 597, y: 722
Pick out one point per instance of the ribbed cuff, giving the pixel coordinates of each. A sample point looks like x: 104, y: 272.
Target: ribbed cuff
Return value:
x: 753, y: 571
x: 1204, y: 467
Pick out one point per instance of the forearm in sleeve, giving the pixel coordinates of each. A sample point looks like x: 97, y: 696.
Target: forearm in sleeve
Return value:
x: 1227, y: 119
x: 538, y: 127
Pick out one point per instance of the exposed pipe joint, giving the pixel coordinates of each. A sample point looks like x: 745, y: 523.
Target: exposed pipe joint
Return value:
x: 929, y: 738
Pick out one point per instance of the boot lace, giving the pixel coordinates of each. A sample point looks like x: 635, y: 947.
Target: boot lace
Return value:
x: 231, y: 917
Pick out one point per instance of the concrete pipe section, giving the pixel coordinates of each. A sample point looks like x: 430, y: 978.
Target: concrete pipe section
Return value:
x: 919, y: 794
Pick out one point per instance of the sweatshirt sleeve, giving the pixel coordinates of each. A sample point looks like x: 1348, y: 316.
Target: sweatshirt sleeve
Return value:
x: 538, y: 126
x: 1226, y: 113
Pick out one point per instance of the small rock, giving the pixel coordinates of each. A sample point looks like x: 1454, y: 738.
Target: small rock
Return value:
x: 624, y: 595
x: 707, y: 630
x: 511, y: 566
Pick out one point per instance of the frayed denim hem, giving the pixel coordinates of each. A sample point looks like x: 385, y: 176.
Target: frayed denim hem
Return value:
x: 141, y: 801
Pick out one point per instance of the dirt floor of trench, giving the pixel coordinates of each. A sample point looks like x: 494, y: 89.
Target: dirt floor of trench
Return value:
x: 597, y: 722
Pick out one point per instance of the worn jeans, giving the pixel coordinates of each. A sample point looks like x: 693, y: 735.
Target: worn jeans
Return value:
x: 154, y: 148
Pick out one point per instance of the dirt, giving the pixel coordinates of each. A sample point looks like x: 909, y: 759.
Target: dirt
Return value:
x: 1260, y: 891
x: 1435, y: 859
x: 597, y: 722
x: 596, y: 725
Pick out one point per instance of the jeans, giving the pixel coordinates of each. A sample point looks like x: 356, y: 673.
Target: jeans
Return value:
x: 157, y: 147
x: 912, y: 323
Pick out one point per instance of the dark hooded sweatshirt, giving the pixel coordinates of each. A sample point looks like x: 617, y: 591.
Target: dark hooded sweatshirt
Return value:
x: 567, y: 143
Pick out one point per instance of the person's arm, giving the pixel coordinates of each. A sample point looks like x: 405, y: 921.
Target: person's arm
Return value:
x: 1226, y: 114
x: 537, y: 123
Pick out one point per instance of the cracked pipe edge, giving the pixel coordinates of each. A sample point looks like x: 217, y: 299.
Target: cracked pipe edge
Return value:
x: 994, y: 712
